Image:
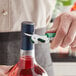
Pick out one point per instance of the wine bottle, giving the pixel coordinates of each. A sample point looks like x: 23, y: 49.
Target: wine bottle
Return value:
x: 27, y: 65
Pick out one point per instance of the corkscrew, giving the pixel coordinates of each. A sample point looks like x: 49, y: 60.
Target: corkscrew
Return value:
x: 35, y: 38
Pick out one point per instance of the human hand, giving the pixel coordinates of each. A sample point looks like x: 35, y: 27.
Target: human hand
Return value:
x: 65, y: 28
x: 4, y: 69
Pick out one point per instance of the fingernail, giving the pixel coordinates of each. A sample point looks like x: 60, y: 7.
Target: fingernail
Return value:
x: 52, y: 45
x: 73, y: 45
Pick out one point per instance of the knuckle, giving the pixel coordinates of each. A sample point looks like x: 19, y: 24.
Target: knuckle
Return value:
x: 67, y: 16
x: 69, y: 38
x: 63, y: 13
x: 57, y: 18
x: 62, y: 31
x: 74, y: 20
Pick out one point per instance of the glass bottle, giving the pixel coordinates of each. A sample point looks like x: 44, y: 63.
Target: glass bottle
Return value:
x: 27, y: 65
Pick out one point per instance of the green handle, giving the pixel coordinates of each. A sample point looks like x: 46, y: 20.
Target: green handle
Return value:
x: 49, y: 35
x: 41, y: 40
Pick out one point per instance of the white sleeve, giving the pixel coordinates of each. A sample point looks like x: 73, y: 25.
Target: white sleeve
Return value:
x: 36, y: 11
x: 50, y: 7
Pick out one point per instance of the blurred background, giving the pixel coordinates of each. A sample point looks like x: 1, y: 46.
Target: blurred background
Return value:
x: 63, y: 56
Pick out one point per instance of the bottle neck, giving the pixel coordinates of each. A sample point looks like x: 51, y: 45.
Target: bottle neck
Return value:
x: 30, y: 53
x: 27, y: 59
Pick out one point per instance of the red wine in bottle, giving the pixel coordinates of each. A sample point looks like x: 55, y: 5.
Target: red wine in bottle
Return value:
x: 27, y: 65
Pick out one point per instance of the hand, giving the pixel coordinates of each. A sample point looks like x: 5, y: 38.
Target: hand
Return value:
x: 4, y: 69
x: 65, y: 28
